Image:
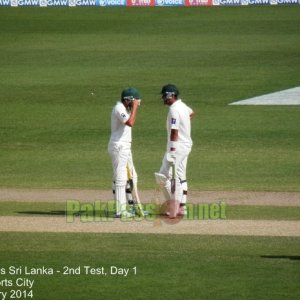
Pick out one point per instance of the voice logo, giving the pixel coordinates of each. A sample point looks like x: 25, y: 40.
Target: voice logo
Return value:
x: 140, y: 2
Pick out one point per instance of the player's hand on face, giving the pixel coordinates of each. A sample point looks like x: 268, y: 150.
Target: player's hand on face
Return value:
x: 136, y: 102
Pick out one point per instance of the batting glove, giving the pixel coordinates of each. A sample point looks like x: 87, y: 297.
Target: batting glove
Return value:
x: 171, y: 157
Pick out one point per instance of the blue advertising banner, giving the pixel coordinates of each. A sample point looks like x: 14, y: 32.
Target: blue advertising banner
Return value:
x: 111, y: 2
x: 169, y: 2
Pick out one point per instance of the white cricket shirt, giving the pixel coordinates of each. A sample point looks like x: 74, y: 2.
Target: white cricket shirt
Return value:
x: 179, y: 118
x: 120, y: 132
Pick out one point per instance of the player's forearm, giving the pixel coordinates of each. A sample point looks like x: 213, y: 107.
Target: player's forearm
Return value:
x: 173, y: 139
x: 131, y: 121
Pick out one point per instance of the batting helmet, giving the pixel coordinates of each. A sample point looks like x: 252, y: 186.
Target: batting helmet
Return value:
x: 169, y: 89
x: 130, y: 93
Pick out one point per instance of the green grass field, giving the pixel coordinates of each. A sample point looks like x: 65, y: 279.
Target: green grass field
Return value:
x: 62, y: 70
x: 168, y: 267
x: 54, y: 132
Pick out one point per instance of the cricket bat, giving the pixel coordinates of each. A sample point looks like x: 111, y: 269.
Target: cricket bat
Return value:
x: 135, y: 193
x: 173, y: 181
x: 173, y: 209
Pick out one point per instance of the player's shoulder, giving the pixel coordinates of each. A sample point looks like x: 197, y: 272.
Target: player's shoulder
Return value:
x: 176, y: 105
x: 180, y: 105
x: 119, y: 104
x: 186, y: 106
x: 119, y: 107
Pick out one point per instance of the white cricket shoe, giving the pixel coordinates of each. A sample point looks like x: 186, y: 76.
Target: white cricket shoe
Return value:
x: 182, y: 211
x: 124, y: 215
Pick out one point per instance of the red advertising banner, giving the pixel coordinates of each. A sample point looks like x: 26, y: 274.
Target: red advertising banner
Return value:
x: 197, y: 2
x: 140, y: 2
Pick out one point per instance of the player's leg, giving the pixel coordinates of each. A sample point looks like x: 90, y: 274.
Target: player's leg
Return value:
x: 181, y: 173
x: 119, y: 155
x: 183, y: 180
x: 178, y: 186
x: 184, y: 186
x: 132, y: 179
x: 163, y: 178
x: 114, y: 158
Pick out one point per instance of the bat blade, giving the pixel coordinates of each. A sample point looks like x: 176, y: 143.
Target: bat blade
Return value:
x: 173, y: 181
x: 135, y: 193
x: 173, y: 209
x: 173, y: 186
x: 140, y: 210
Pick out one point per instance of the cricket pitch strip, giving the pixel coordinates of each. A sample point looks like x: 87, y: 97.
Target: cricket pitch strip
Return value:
x: 158, y: 226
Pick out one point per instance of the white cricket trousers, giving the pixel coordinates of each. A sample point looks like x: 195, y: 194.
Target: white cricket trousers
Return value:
x: 121, y: 157
x: 182, y: 154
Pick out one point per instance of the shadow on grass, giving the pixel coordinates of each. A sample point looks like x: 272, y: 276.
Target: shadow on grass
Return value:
x: 63, y: 213
x: 101, y: 214
x: 49, y: 213
x: 291, y: 257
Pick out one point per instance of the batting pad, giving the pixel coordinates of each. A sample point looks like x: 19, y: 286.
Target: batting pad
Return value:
x: 164, y: 183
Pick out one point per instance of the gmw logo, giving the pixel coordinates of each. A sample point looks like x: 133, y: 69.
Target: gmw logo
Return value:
x: 25, y: 2
x: 258, y: 2
x: 5, y: 2
x: 82, y: 3
x: 58, y: 2
x: 226, y: 2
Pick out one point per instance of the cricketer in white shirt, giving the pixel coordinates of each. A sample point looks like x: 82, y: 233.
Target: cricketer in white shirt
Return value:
x: 179, y: 146
x: 179, y: 118
x: 123, y: 118
x: 120, y: 132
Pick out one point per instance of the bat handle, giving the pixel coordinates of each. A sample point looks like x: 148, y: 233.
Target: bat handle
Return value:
x: 173, y: 171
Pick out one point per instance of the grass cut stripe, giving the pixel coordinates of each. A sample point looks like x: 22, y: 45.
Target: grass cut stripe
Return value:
x: 232, y: 212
